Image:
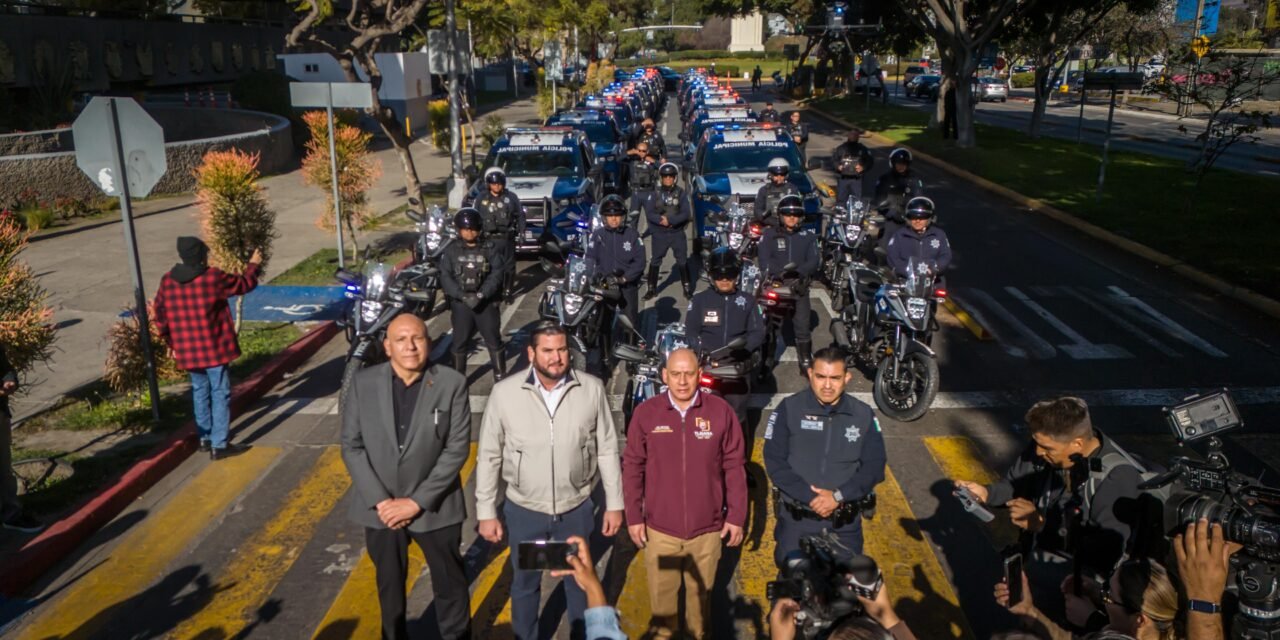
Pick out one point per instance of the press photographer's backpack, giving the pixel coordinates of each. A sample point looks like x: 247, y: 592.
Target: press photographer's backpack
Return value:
x: 1146, y: 519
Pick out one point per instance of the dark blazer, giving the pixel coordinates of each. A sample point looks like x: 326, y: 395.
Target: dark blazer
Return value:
x: 437, y: 445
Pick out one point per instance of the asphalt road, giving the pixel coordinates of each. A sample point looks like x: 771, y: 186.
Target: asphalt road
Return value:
x: 259, y: 545
x: 1143, y: 131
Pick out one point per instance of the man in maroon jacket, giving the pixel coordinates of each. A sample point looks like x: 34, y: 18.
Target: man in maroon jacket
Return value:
x: 192, y: 315
x: 685, y: 489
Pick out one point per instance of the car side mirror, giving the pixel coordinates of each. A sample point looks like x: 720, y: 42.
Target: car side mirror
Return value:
x: 628, y: 353
x: 814, y: 163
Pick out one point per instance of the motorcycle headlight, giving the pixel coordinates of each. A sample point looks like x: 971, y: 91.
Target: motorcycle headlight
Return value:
x: 916, y: 308
x: 735, y: 241
x: 572, y: 303
x: 369, y: 311
x: 851, y: 232
x: 433, y: 242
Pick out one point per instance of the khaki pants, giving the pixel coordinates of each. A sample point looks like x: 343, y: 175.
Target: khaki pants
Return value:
x: 670, y: 561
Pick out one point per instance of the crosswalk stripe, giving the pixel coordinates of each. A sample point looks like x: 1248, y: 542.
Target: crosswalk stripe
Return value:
x: 959, y: 459
x: 912, y: 573
x: 146, y: 552
x: 355, y: 612
x: 259, y: 564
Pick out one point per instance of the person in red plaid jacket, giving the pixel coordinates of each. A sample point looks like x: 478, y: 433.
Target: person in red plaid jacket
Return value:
x: 192, y: 315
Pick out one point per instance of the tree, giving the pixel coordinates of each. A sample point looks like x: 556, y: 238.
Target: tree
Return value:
x: 26, y: 322
x: 1221, y: 85
x: 233, y: 212
x: 357, y: 171
x: 371, y: 22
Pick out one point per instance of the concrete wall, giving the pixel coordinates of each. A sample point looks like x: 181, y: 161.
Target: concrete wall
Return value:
x: 56, y: 174
x: 404, y: 75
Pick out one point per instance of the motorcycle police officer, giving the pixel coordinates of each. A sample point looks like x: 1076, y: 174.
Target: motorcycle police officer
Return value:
x: 893, y: 189
x: 649, y: 135
x: 503, y: 221
x: 852, y: 161
x: 642, y: 175
x: 920, y: 242
x: 825, y: 454
x: 799, y: 132
x: 668, y: 213
x: 720, y: 314
x: 789, y: 244
x: 617, y: 254
x: 471, y: 275
x: 769, y: 114
x: 771, y: 193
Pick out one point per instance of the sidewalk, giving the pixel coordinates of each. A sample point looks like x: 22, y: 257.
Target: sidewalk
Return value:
x: 86, y: 271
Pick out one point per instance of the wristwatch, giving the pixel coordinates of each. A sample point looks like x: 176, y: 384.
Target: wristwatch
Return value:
x: 1204, y: 606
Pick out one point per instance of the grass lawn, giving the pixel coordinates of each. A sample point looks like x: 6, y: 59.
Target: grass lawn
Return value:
x: 1145, y: 199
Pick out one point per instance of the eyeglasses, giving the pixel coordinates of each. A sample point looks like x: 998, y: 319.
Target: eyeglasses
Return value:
x: 1107, y: 599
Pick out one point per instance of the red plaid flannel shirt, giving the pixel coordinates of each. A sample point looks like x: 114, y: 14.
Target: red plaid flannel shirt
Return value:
x: 195, y: 320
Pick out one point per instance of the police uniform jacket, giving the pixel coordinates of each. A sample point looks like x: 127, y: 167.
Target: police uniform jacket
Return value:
x: 767, y: 199
x: 617, y: 250
x: 894, y: 186
x: 715, y: 319
x: 471, y: 269
x: 671, y: 203
x: 657, y: 145
x: 800, y: 130
x: 778, y: 247
x: 501, y: 214
x: 769, y: 115
x: 931, y: 247
x: 839, y: 448
x: 845, y: 155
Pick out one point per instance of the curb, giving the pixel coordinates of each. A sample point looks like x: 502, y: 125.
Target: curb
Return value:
x: 41, y: 553
x: 1249, y: 297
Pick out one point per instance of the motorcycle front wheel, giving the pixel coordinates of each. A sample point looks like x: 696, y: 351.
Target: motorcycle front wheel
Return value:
x: 904, y: 392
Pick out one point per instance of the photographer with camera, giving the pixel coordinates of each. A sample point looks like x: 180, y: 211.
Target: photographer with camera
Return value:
x: 1204, y: 561
x: 1064, y: 492
x: 824, y: 453
x: 601, y: 619
x: 880, y: 623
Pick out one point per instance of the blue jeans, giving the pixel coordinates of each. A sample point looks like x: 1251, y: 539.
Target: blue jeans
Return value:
x: 211, y: 392
x: 524, y: 525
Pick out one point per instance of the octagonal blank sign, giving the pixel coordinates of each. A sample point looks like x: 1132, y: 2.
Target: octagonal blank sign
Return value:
x: 141, y: 138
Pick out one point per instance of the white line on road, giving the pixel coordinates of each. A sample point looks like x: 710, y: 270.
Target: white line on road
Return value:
x: 1040, y: 348
x: 1081, y: 348
x: 1173, y: 328
x: 1088, y: 300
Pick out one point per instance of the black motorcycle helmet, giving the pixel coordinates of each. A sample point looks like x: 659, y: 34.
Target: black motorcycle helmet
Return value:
x: 468, y: 218
x: 495, y: 175
x: 724, y: 264
x: 900, y: 155
x: 790, y: 205
x: 669, y: 169
x: 919, y: 208
x: 612, y: 205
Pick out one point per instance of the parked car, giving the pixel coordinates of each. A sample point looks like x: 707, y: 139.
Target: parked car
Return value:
x: 991, y: 89
x: 913, y: 71
x: 924, y: 87
x: 1024, y: 68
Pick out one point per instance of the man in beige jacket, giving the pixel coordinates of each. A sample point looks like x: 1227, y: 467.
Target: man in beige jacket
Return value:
x: 550, y: 435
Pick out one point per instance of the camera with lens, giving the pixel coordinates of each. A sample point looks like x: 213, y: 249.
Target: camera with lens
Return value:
x: 825, y: 578
x: 1248, y: 511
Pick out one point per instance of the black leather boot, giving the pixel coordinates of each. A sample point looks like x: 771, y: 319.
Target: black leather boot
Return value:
x: 460, y: 363
x: 804, y: 353
x: 498, y: 358
x: 652, y: 291
x: 686, y: 279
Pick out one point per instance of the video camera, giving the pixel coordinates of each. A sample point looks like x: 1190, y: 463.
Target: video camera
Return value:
x: 825, y: 578
x: 1248, y: 512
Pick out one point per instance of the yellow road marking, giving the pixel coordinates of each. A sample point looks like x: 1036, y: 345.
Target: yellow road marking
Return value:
x: 148, y: 550
x: 259, y: 564
x: 959, y: 459
x: 912, y: 573
x: 974, y: 327
x: 493, y: 587
x: 355, y: 613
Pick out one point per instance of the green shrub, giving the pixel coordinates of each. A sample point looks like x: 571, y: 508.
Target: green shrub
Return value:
x: 26, y: 322
x: 126, y: 367
x: 492, y: 129
x: 37, y: 218
x: 1023, y: 80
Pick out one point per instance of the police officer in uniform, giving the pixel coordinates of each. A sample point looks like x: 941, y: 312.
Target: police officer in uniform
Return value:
x: 649, y: 135
x: 799, y: 132
x: 825, y: 454
x: 893, y: 190
x: 617, y: 254
x: 720, y: 314
x: 503, y: 221
x: 471, y: 276
x: 771, y: 193
x: 668, y: 213
x: 788, y: 244
x: 919, y: 242
x: 769, y: 114
x: 642, y: 175
x: 852, y: 161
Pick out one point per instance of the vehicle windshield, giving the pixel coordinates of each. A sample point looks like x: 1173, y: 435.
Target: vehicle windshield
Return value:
x: 990, y: 81
x: 539, y: 161
x: 738, y: 157
x: 928, y: 79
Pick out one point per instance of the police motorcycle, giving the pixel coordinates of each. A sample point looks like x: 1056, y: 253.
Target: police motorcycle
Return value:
x: 845, y: 235
x: 778, y: 302
x: 733, y: 227
x: 378, y: 293
x: 435, y: 232
x: 644, y: 362
x: 580, y: 302
x: 891, y: 330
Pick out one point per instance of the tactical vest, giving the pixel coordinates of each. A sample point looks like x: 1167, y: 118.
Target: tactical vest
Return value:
x: 669, y: 202
x: 472, y: 268
x: 495, y: 213
x: 644, y: 175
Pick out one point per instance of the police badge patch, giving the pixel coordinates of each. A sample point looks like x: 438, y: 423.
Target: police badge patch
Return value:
x: 626, y: 246
x: 934, y: 243
x: 852, y: 433
x: 741, y: 302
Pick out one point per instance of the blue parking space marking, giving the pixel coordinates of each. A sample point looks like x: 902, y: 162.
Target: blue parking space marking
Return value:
x: 270, y: 303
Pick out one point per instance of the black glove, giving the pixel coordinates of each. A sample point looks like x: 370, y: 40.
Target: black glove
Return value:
x: 621, y: 280
x: 472, y: 300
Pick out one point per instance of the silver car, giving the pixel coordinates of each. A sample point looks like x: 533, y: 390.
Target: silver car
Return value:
x: 991, y: 89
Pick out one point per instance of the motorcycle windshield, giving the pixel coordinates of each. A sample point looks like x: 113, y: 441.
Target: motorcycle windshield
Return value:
x: 576, y: 276
x: 749, y: 279
x: 670, y: 338
x: 376, y: 276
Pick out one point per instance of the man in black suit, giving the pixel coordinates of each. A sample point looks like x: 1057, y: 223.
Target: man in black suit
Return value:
x: 406, y: 432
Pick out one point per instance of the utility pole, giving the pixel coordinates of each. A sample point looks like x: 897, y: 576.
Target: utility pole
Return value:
x: 457, y: 186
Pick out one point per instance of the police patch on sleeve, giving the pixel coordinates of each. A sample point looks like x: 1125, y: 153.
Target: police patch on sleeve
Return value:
x: 768, y: 429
